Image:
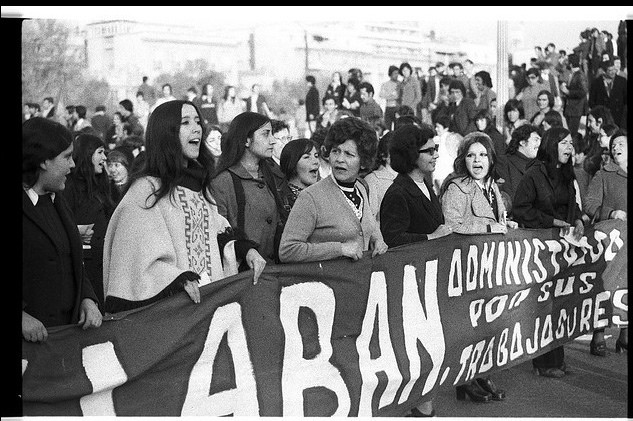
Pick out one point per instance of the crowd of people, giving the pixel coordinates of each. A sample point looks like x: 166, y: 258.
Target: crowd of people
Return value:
x: 169, y: 194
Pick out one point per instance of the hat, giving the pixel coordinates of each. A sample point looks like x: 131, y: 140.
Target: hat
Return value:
x: 392, y: 69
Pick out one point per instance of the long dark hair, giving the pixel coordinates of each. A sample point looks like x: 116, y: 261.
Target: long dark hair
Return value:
x: 233, y: 143
x: 97, y: 185
x: 163, y: 151
x: 548, y: 154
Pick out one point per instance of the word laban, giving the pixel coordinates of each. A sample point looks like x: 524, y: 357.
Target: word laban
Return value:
x: 449, y: 321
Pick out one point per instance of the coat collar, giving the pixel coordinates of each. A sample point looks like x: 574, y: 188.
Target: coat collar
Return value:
x: 613, y: 167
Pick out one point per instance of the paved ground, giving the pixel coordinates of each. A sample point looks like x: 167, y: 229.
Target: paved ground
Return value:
x: 596, y: 388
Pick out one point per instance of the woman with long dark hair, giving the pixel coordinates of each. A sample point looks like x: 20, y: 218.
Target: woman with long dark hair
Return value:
x: 166, y: 234
x: 248, y: 191
x: 89, y: 194
x: 546, y: 198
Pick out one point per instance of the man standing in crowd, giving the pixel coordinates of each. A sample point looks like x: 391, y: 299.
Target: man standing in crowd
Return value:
x: 610, y: 90
x: 257, y: 102
x: 462, y: 110
x: 458, y: 73
x: 48, y: 107
x: 100, y: 121
x: 389, y: 92
x: 575, y: 91
x: 313, y: 105
x: 126, y: 108
x: 149, y: 93
x: 55, y: 289
x: 370, y: 111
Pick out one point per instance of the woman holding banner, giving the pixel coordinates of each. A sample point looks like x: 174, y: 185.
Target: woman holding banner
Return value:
x: 546, y: 198
x: 250, y: 192
x: 410, y: 210
x: 166, y: 234
x: 332, y: 218
x: 607, y: 199
x: 472, y: 204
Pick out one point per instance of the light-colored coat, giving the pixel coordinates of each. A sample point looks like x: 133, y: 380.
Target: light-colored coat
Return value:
x: 145, y: 250
x: 321, y: 220
x: 607, y: 192
x: 379, y: 181
x: 466, y: 210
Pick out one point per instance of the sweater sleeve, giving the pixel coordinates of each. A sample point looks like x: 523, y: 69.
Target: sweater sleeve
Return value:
x: 295, y: 245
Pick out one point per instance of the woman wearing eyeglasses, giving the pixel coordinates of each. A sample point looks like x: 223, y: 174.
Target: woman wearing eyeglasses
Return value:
x: 410, y: 210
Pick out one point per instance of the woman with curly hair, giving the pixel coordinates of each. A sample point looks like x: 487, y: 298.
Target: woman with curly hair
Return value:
x: 332, y: 218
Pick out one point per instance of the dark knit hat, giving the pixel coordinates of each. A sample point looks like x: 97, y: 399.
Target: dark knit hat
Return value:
x: 392, y: 69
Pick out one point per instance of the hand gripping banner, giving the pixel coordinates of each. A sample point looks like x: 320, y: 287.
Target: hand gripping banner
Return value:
x: 339, y: 338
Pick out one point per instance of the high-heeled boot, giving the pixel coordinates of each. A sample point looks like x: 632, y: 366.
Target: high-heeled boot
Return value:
x: 474, y: 392
x: 488, y: 386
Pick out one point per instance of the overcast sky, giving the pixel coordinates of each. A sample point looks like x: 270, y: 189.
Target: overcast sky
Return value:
x: 559, y: 24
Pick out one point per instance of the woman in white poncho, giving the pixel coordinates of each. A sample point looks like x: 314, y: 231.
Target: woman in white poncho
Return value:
x: 166, y: 235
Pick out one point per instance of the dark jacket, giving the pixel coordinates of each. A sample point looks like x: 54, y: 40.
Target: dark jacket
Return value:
x: 95, y: 210
x: 312, y: 104
x: 498, y: 141
x: 463, y: 116
x: 512, y: 168
x: 616, y: 101
x: 533, y: 205
x: 576, y: 103
x: 406, y: 215
x: 41, y: 268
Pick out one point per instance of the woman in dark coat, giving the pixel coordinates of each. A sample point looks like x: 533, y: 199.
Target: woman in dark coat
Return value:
x: 89, y: 195
x: 546, y: 198
x: 410, y: 210
x: 55, y: 290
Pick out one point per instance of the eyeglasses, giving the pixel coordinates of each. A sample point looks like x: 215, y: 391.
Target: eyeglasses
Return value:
x: 430, y: 150
x: 532, y: 77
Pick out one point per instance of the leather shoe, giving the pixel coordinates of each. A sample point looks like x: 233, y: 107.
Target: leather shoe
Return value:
x: 555, y: 373
x: 415, y: 412
x: 488, y: 386
x: 474, y: 392
x: 598, y: 348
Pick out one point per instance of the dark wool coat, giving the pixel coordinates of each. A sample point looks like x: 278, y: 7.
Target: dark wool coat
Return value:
x: 533, y: 205
x: 406, y: 215
x: 41, y: 270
